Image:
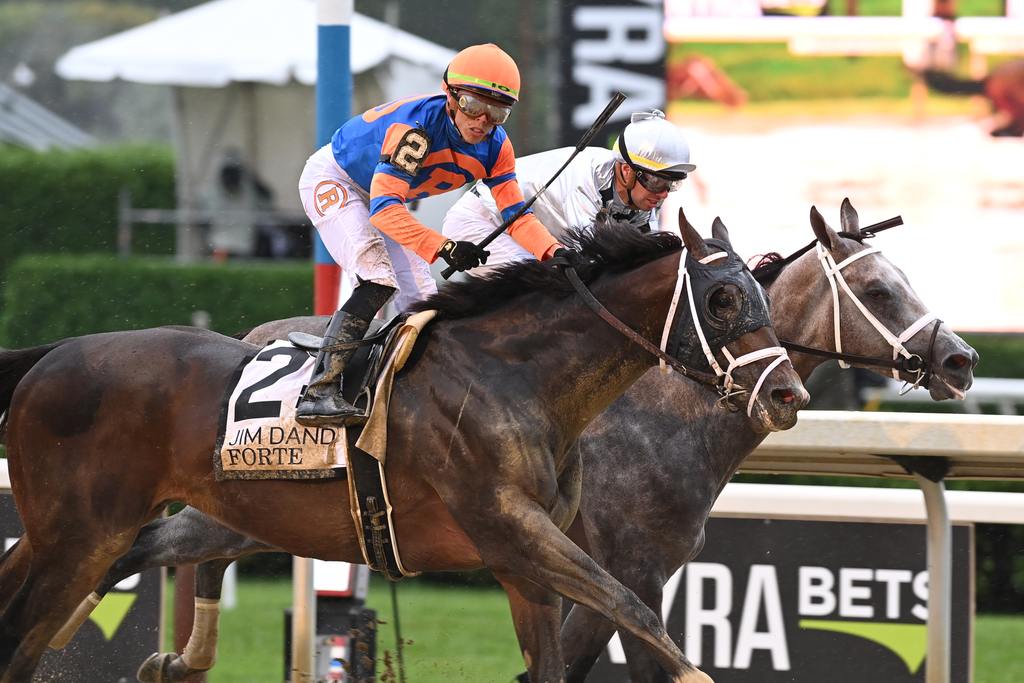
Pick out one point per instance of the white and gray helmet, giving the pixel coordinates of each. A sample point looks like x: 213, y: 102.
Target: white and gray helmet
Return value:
x: 653, y: 144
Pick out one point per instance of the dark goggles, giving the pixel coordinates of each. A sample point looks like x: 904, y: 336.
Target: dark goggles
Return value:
x: 658, y: 184
x: 474, y: 107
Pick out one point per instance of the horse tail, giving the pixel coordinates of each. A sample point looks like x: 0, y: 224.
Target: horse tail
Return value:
x: 945, y: 82
x: 15, y: 364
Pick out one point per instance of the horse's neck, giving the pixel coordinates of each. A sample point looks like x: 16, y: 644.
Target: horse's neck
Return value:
x: 596, y: 363
x: 802, y: 311
x: 707, y: 443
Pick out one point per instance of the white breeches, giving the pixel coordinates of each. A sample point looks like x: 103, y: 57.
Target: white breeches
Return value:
x: 471, y: 220
x: 340, y: 212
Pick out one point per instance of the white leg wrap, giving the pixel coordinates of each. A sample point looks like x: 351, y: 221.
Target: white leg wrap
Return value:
x: 201, y: 651
x: 82, y: 612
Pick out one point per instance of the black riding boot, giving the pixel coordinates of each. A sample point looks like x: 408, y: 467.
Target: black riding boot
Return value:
x: 322, y: 404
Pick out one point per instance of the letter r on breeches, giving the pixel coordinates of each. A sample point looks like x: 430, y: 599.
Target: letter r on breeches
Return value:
x: 339, y: 211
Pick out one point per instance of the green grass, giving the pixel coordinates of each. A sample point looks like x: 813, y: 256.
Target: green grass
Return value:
x: 996, y: 649
x: 460, y: 634
x: 465, y: 634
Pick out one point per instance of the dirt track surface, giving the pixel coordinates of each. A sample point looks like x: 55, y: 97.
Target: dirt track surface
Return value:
x: 960, y: 192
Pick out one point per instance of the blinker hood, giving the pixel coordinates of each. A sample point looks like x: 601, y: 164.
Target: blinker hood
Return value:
x: 705, y: 279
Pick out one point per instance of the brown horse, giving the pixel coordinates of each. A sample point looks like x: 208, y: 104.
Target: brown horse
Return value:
x: 1004, y: 88
x: 663, y: 430
x: 108, y: 429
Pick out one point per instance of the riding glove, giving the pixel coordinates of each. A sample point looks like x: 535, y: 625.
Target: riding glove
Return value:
x: 463, y: 255
x: 572, y: 257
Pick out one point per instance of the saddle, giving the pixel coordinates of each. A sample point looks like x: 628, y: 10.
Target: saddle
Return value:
x: 367, y: 383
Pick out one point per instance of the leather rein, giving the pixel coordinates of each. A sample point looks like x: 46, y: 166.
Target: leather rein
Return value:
x: 634, y: 336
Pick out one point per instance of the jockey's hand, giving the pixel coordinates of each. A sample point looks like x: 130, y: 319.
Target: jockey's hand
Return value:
x: 463, y: 255
x: 571, y: 257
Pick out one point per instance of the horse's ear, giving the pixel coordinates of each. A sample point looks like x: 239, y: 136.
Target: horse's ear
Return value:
x: 691, y: 238
x: 848, y: 218
x: 719, y: 231
x: 825, y: 234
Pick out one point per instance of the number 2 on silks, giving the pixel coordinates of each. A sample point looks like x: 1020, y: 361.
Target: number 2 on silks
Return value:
x: 411, y: 150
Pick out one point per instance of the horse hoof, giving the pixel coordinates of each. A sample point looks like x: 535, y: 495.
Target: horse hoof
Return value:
x: 695, y: 676
x: 166, y: 667
x: 153, y: 670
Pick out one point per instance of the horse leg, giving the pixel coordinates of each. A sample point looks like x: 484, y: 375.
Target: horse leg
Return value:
x: 585, y: 633
x: 642, y: 667
x: 522, y: 529
x: 201, y: 651
x: 13, y: 569
x: 584, y: 636
x: 58, y: 577
x: 535, y: 615
x: 189, y: 537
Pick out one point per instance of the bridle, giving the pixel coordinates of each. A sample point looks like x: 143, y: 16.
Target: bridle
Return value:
x: 902, y: 361
x: 720, y: 379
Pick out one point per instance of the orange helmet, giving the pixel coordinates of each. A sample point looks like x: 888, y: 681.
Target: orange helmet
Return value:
x: 485, y: 69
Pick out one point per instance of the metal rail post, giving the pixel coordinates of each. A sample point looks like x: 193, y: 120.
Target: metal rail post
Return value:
x: 940, y: 579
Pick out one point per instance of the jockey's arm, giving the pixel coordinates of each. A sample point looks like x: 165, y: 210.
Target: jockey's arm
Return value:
x: 527, y: 231
x: 389, y: 189
x: 390, y: 215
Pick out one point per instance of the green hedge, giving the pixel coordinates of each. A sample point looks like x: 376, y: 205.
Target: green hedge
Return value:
x: 1002, y: 355
x: 52, y: 297
x: 66, y: 202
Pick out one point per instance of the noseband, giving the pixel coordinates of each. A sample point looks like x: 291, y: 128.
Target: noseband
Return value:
x: 720, y: 379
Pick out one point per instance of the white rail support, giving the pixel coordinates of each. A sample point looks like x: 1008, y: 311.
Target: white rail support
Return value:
x: 303, y: 622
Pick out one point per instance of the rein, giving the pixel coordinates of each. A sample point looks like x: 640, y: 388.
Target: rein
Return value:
x: 633, y: 335
x: 911, y: 365
x: 721, y: 380
x: 902, y: 360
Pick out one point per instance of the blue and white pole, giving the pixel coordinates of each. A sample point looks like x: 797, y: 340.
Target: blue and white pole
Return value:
x: 333, y: 107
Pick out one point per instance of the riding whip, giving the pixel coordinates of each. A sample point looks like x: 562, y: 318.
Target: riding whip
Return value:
x: 598, y: 124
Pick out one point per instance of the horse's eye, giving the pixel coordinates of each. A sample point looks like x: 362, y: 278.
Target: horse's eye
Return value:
x: 724, y: 301
x: 878, y: 293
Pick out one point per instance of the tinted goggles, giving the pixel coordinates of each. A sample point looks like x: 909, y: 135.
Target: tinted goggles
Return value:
x: 473, y: 107
x: 658, y: 184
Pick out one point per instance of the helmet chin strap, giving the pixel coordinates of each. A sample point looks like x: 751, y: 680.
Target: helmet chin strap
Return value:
x: 619, y: 175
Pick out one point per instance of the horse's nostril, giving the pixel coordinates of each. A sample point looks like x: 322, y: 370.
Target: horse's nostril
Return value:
x: 957, y: 361
x: 783, y: 396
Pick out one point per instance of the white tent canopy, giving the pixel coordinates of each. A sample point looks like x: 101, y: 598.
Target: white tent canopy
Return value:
x: 240, y: 74
x: 224, y: 41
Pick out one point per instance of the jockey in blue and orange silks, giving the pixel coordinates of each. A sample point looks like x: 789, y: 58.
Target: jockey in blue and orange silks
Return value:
x: 355, y: 190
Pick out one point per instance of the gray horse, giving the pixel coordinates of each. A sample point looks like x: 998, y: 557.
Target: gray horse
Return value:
x: 677, y: 467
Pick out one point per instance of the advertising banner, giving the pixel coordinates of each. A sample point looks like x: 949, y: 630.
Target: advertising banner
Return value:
x: 609, y: 45
x: 782, y: 601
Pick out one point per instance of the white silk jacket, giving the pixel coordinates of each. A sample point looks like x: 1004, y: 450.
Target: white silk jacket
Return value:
x: 574, y: 198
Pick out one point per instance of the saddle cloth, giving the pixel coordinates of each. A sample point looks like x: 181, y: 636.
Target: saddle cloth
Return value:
x: 259, y: 437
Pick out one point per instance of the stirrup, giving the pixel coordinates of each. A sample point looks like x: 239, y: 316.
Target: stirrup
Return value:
x: 330, y: 410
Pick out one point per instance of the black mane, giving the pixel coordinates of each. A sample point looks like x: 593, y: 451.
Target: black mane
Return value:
x: 612, y: 248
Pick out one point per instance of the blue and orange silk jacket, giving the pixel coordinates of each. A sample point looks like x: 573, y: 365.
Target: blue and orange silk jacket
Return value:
x: 365, y: 144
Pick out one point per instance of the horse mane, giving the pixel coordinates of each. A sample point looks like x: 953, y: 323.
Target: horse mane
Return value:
x: 611, y: 248
x: 771, y: 265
